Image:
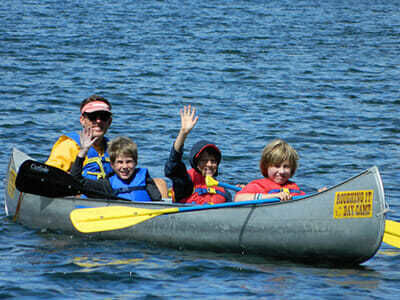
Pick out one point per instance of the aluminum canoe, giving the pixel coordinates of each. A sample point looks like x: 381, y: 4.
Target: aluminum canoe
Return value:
x: 344, y: 224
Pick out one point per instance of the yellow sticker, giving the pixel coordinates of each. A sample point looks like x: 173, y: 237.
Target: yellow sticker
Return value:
x: 353, y: 204
x: 11, y: 183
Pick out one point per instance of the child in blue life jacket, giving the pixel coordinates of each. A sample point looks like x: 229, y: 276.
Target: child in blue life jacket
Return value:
x: 189, y: 186
x: 127, y: 181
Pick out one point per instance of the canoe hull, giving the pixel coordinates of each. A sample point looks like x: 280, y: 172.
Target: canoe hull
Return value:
x: 319, y: 228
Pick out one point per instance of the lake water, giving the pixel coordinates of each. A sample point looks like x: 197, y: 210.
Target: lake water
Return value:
x: 323, y: 75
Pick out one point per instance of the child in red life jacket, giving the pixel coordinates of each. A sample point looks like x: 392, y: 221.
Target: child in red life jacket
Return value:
x: 127, y: 180
x: 278, y: 164
x: 189, y: 186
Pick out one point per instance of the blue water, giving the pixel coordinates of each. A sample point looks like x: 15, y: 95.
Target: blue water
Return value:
x: 323, y: 75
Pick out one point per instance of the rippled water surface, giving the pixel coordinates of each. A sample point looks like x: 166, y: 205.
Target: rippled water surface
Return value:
x: 323, y: 75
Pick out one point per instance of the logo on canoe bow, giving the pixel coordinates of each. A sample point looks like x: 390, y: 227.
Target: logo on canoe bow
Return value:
x: 353, y: 204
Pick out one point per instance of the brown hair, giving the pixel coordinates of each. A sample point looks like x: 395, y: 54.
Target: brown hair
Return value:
x: 277, y: 152
x: 95, y: 98
x: 122, y: 146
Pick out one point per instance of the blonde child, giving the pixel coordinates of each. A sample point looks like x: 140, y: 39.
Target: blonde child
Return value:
x: 278, y: 164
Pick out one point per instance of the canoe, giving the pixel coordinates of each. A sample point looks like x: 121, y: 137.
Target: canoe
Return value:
x: 342, y: 225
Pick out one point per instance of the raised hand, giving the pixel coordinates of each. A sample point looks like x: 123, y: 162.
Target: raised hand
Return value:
x: 87, y: 140
x: 188, y: 119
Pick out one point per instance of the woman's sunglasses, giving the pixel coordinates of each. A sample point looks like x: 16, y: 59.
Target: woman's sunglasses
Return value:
x: 102, y: 115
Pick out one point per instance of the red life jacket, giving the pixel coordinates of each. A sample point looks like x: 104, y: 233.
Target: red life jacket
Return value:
x: 203, y: 194
x: 267, y: 186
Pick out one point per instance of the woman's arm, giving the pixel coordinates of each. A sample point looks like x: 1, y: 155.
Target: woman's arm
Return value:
x: 94, y: 188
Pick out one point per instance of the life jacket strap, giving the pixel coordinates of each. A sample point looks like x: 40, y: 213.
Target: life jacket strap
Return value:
x: 210, y: 190
x: 98, y: 161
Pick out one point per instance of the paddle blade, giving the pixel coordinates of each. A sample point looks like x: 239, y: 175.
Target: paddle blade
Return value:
x: 97, y: 219
x: 211, y: 181
x: 391, y: 240
x: 393, y: 227
x: 392, y: 233
x: 40, y: 179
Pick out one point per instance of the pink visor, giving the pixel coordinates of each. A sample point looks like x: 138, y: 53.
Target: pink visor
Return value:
x: 95, y: 106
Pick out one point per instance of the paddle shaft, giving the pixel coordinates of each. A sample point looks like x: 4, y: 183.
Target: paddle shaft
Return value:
x: 227, y: 204
x: 229, y: 186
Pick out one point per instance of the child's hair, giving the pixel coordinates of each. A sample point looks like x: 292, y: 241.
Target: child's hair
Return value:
x: 122, y: 146
x: 277, y: 152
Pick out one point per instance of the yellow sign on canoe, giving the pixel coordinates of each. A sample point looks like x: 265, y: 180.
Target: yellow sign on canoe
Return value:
x: 353, y: 204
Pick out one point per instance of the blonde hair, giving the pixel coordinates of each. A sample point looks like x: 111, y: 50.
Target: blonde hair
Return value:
x: 122, y: 146
x: 275, y: 153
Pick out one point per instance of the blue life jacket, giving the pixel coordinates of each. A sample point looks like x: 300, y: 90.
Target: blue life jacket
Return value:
x: 135, y: 190
x: 96, y: 166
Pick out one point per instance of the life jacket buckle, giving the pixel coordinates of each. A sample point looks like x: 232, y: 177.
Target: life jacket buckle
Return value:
x: 285, y: 190
x: 211, y: 190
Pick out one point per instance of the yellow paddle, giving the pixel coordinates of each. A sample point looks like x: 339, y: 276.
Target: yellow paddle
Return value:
x: 392, y: 233
x: 105, y: 218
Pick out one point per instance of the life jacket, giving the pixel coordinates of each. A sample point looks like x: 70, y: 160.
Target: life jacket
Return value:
x: 94, y: 166
x: 135, y: 190
x: 270, y: 187
x: 203, y: 194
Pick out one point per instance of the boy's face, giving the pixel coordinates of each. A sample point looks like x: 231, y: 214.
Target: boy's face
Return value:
x: 124, y: 166
x: 280, y: 173
x: 207, y: 164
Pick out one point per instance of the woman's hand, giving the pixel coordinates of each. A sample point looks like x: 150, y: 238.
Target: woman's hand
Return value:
x: 87, y: 140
